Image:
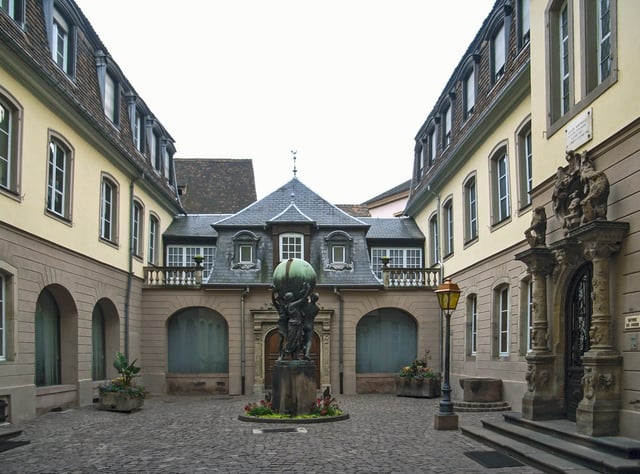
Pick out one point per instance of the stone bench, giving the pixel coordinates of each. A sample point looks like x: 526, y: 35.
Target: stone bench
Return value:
x: 484, y: 390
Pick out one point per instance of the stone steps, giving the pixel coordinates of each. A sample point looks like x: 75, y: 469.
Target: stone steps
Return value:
x: 481, y: 406
x: 554, y: 446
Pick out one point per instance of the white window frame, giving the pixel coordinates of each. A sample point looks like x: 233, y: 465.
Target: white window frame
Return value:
x: 59, y: 179
x: 434, y: 240
x: 291, y: 246
x: 182, y: 256
x: 504, y: 316
x: 433, y: 145
x: 446, y: 126
x: 245, y: 253
x: 524, y: 22
x: 60, y: 50
x: 469, y: 88
x: 137, y: 231
x: 400, y: 257
x: 338, y: 254
x: 604, y: 38
x: 473, y: 321
x: 471, y: 209
x: 447, y: 207
x: 498, y: 53
x: 500, y: 182
x: 108, y: 209
x: 110, y: 98
x: 154, y: 227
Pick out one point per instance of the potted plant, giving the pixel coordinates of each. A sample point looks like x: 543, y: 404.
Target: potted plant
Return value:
x: 198, y: 259
x: 418, y: 380
x: 121, y: 393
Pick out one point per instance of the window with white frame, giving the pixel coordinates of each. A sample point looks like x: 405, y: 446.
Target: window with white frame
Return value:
x: 245, y: 252
x: 138, y: 131
x: 10, y: 126
x: 136, y: 234
x: 434, y: 240
x: 470, y: 209
x: 600, y: 48
x: 500, y: 186
x: 498, y: 54
x: 3, y: 323
x: 291, y: 246
x: 524, y: 23
x: 398, y: 258
x: 503, y: 316
x: 472, y: 319
x: 469, y: 96
x: 339, y: 245
x: 109, y: 210
x: 525, y: 170
x: 59, y: 171
x: 448, y: 226
x: 111, y: 98
x: 62, y: 42
x: 14, y: 8
x: 446, y: 127
x: 433, y: 145
x: 245, y: 245
x: 182, y: 256
x: 154, y: 228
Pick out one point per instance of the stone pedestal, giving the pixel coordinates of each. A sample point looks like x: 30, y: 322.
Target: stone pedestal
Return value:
x: 482, y: 390
x: 445, y: 422
x: 294, y: 387
x: 541, y: 401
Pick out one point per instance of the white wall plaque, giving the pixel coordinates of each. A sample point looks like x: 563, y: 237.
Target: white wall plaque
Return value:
x: 579, y: 131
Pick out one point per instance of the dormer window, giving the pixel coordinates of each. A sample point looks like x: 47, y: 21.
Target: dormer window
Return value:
x: 339, y: 245
x: 245, y: 246
x: 291, y: 246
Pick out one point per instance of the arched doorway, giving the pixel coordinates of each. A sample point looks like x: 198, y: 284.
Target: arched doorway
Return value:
x: 271, y: 354
x: 578, y: 320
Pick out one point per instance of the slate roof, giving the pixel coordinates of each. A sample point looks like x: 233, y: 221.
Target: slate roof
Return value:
x: 393, y: 228
x: 195, y: 225
x: 309, y: 204
x: 355, y: 210
x: 399, y: 189
x: 215, y: 185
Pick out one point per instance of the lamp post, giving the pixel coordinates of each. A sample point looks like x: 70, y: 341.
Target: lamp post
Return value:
x: 448, y: 294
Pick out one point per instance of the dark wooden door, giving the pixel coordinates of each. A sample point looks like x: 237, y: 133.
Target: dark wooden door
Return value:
x: 578, y: 318
x: 271, y: 355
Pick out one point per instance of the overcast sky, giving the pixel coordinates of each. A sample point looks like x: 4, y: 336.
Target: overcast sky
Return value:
x: 345, y: 83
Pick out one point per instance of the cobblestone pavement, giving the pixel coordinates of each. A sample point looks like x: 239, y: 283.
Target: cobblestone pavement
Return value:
x: 190, y: 434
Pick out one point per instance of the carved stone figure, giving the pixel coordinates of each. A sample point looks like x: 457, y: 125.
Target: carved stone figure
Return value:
x: 580, y: 192
x: 536, y: 233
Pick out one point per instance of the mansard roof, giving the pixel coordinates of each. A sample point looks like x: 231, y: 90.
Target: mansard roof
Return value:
x: 393, y: 228
x: 194, y: 225
x: 292, y: 203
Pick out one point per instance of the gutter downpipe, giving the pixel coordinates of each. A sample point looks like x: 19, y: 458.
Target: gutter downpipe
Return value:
x: 340, y: 337
x: 441, y: 272
x: 127, y: 298
x: 242, y: 345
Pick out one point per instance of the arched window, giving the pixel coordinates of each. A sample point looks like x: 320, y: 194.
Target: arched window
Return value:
x: 198, y: 342
x: 385, y: 341
x: 47, y: 338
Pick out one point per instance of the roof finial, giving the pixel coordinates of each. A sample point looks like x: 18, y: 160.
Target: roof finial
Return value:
x: 295, y: 170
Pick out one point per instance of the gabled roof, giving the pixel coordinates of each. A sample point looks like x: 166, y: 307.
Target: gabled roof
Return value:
x: 293, y: 201
x: 194, y: 225
x: 402, y: 188
x: 214, y: 185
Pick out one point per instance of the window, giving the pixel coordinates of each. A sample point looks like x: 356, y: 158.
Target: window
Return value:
x: 338, y: 254
x: 448, y: 227
x: 291, y: 246
x: 399, y: 258
x: 600, y: 48
x: 470, y: 210
x: 339, y: 244
x: 3, y: 318
x: 136, y: 231
x: 109, y: 210
x: 472, y: 318
x: 524, y: 23
x: 245, y: 246
x: 502, y: 295
x: 98, y: 352
x: 153, y: 152
x: 525, y: 173
x: 498, y: 48
x: 9, y: 144
x: 469, y: 89
x: 182, y: 256
x: 561, y: 58
x: 59, y: 173
x: 433, y: 146
x: 434, y: 240
x: 446, y: 130
x: 111, y: 98
x: 500, y: 183
x: 14, y: 8
x: 138, y: 131
x: 154, y: 228
x: 529, y: 314
x: 62, y: 46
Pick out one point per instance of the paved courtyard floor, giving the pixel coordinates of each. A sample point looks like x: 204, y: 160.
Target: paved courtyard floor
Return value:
x: 190, y: 434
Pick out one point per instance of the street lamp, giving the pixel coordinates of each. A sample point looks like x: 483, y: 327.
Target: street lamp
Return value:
x: 448, y: 294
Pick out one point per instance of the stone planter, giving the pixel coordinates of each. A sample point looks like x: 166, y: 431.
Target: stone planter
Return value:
x: 422, y: 388
x: 113, y: 401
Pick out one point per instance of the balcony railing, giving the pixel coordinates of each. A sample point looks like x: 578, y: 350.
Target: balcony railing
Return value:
x: 396, y: 277
x: 392, y: 277
x: 173, y: 276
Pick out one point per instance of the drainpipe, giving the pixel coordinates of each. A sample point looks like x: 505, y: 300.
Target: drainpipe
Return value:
x: 441, y: 272
x: 127, y: 298
x: 242, y: 347
x: 340, y: 337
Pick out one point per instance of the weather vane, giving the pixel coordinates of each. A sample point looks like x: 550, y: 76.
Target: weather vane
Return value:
x: 295, y: 170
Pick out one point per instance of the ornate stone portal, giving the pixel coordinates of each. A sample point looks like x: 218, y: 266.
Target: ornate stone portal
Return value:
x: 580, y: 203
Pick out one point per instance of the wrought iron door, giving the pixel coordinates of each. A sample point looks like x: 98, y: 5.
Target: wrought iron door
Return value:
x: 578, y: 318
